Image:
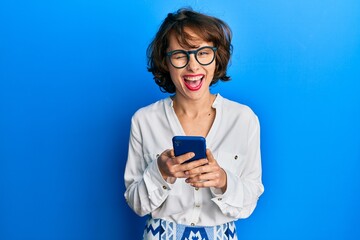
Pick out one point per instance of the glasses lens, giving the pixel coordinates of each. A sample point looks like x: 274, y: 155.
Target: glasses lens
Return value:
x: 179, y: 59
x: 205, y: 55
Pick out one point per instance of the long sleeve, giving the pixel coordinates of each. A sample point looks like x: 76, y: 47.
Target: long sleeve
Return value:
x: 234, y: 139
x: 244, y: 185
x: 146, y: 190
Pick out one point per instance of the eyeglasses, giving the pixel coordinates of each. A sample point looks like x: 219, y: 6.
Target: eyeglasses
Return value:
x: 180, y: 58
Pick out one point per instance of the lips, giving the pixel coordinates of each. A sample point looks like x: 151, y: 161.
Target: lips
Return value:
x: 193, y: 82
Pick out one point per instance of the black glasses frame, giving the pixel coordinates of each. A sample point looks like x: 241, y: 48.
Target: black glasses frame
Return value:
x: 169, y: 54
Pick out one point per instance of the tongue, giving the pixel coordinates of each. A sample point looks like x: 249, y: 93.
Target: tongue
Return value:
x: 193, y: 85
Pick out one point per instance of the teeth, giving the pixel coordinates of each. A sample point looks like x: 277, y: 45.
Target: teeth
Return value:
x: 193, y: 78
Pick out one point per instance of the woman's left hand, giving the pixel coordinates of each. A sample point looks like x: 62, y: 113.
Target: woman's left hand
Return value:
x: 209, y: 175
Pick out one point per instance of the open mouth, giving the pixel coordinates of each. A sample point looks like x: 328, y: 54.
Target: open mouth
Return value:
x: 194, y: 82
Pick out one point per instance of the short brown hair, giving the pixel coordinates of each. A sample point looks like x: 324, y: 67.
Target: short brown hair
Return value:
x: 210, y: 29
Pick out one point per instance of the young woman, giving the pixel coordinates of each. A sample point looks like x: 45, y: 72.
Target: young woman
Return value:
x: 202, y: 198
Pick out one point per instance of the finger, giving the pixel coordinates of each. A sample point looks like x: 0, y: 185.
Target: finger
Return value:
x: 202, y: 184
x: 171, y: 153
x: 210, y: 156
x: 192, y: 168
x: 165, y: 155
x: 183, y: 158
x: 206, y: 180
x: 181, y: 170
x: 199, y: 169
x: 167, y: 158
x: 202, y: 178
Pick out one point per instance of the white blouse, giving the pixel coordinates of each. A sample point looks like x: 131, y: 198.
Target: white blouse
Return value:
x: 234, y: 140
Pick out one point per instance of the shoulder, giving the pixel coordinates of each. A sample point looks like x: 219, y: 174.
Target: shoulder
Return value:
x: 236, y: 109
x: 150, y: 111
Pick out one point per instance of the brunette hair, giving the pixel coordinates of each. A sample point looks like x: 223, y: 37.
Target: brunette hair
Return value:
x: 210, y: 29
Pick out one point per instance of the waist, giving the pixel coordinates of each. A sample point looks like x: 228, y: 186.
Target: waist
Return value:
x: 163, y: 229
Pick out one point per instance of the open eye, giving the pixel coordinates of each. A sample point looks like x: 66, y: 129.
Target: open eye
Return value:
x: 205, y: 52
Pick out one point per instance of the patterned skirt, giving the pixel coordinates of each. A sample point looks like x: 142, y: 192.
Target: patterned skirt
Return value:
x: 159, y: 229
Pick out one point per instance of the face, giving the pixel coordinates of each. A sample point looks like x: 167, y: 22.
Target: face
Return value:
x: 192, y: 81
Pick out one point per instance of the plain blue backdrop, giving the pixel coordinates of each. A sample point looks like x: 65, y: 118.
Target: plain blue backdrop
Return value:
x: 72, y: 73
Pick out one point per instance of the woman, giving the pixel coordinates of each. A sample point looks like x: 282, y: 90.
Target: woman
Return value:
x: 202, y: 198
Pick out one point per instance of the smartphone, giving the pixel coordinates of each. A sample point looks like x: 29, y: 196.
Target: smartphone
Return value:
x: 185, y: 144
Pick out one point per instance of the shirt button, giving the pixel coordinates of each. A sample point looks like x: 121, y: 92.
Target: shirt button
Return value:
x: 197, y: 189
x: 192, y: 224
x: 219, y: 199
x: 236, y: 157
x: 164, y: 187
x: 197, y: 206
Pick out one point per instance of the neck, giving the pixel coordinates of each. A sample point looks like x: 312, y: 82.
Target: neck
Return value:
x: 193, y: 108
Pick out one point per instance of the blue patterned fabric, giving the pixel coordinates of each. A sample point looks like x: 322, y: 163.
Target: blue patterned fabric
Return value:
x: 160, y: 229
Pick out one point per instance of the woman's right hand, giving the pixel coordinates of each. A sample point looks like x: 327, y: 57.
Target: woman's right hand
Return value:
x: 171, y: 166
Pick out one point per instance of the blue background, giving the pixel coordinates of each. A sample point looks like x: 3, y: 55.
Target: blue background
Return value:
x: 72, y: 73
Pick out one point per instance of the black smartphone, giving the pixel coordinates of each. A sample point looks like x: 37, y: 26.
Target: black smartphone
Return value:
x: 185, y: 144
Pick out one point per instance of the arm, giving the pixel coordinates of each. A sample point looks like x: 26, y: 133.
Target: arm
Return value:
x: 149, y: 179
x: 243, y: 187
x: 235, y: 189
x: 146, y: 189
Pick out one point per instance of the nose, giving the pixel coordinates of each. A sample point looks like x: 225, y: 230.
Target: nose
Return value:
x: 193, y: 64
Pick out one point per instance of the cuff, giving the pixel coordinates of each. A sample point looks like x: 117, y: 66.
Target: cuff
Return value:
x: 233, y: 195
x: 154, y: 180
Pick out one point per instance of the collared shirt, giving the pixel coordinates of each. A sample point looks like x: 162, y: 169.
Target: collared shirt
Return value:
x: 234, y: 139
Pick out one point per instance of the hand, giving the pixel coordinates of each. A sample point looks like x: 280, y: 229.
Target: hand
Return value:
x: 171, y: 166
x: 209, y: 175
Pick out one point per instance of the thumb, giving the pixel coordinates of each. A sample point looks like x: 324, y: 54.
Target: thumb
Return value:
x: 210, y: 156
